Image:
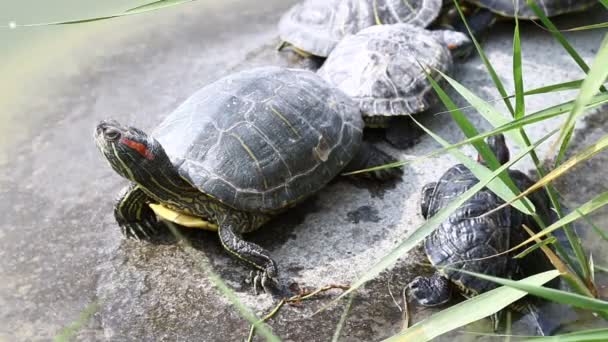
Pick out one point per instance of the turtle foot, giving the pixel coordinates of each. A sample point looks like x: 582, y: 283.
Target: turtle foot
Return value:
x: 432, y: 291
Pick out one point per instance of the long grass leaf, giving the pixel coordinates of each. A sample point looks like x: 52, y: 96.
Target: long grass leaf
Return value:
x: 557, y: 296
x: 599, y: 335
x: 506, y: 128
x: 481, y: 172
x: 154, y: 6
x: 517, y: 73
x: 587, y: 153
x: 217, y: 281
x: 486, y: 61
x: 605, y: 3
x: 588, y: 27
x: 597, y: 76
x: 558, y: 35
x: 485, y: 109
x: 585, y: 209
x: 427, y: 228
x: 469, y: 311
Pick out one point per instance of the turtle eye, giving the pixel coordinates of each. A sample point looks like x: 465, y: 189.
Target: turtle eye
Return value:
x: 111, y: 134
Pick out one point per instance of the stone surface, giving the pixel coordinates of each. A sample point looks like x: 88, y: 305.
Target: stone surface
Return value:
x: 61, y: 249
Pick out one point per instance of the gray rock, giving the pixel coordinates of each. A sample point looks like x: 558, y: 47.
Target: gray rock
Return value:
x: 60, y: 247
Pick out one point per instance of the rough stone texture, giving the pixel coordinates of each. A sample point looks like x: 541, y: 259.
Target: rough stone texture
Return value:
x: 61, y: 249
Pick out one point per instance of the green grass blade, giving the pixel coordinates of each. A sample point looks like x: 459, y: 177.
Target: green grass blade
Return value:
x: 520, y: 107
x: 570, y: 85
x: 578, y: 336
x: 481, y: 172
x: 506, y: 128
x: 469, y: 311
x: 154, y: 6
x: 203, y: 264
x: 558, y: 35
x: 470, y: 131
x: 557, y: 296
x: 535, y: 247
x: 424, y: 230
x: 497, y: 82
x: 599, y: 232
x: 585, y: 209
x: 605, y: 3
x: 485, y: 109
x: 597, y: 76
x: 588, y: 27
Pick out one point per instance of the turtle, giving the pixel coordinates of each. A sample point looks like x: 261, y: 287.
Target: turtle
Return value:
x: 469, y: 241
x: 381, y: 68
x: 489, y: 10
x: 314, y: 27
x: 236, y: 153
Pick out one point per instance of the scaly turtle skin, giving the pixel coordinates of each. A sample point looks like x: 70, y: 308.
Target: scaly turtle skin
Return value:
x: 465, y: 235
x: 316, y: 26
x: 380, y: 68
x: 237, y: 152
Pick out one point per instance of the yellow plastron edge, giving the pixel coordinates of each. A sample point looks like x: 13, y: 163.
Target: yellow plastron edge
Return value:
x: 181, y: 219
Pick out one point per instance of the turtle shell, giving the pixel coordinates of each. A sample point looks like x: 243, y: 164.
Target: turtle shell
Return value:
x: 379, y: 67
x: 464, y: 236
x: 316, y: 26
x: 263, y: 139
x: 550, y: 7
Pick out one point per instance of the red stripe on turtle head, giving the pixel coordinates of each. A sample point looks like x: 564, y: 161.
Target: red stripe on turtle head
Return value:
x: 139, y: 147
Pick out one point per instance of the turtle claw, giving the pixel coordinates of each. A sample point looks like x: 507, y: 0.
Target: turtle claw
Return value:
x: 268, y: 284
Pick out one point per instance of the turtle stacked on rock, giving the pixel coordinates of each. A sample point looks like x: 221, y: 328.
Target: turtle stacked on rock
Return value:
x: 315, y: 27
x: 384, y: 69
x: 236, y: 153
x: 469, y: 240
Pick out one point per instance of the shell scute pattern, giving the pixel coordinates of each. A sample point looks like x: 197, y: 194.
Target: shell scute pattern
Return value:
x: 262, y: 139
x: 378, y: 67
x: 316, y: 26
x: 465, y: 236
x: 550, y: 7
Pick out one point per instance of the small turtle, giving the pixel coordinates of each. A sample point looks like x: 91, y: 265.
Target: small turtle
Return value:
x: 316, y: 26
x: 381, y: 68
x: 236, y: 153
x: 465, y: 236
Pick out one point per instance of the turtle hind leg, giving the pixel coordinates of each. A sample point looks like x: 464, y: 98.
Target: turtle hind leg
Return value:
x: 135, y: 218
x: 369, y: 156
x: 430, y: 291
x: 254, y: 255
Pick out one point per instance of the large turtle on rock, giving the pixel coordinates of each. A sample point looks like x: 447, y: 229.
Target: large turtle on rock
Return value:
x: 469, y: 241
x: 236, y: 153
x: 384, y: 69
x: 316, y: 26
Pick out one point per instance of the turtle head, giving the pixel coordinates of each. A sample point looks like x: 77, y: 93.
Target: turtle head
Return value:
x: 131, y: 152
x: 459, y: 44
x: 499, y: 147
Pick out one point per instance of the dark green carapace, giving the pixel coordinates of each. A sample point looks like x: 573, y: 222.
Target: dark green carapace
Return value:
x: 234, y: 154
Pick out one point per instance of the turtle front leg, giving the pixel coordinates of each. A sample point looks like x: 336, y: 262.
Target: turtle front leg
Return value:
x: 430, y: 291
x: 134, y: 216
x: 254, y: 255
x: 369, y: 156
x: 425, y: 200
